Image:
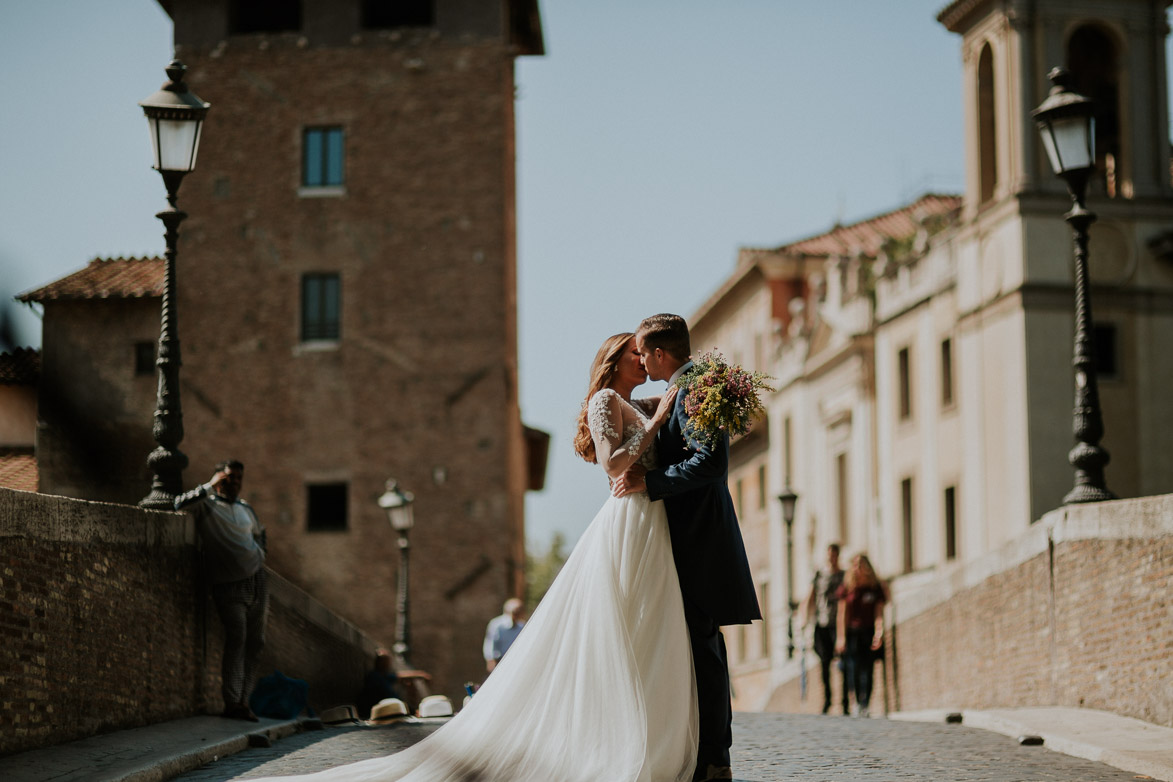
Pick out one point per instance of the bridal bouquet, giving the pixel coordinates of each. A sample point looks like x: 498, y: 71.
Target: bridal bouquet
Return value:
x: 720, y: 399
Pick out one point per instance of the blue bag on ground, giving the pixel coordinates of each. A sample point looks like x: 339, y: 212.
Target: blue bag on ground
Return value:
x: 279, y: 696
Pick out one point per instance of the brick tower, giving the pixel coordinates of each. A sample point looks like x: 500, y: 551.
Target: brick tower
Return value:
x: 347, y: 297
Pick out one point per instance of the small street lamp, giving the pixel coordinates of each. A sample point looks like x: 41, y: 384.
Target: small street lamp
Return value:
x: 176, y: 117
x: 1066, y: 124
x: 789, y: 499
x: 397, y: 503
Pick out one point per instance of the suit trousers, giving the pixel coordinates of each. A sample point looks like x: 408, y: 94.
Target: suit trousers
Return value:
x: 711, y: 666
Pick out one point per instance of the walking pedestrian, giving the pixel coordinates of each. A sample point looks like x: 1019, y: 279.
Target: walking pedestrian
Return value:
x: 822, y: 607
x: 860, y: 633
x: 502, y: 631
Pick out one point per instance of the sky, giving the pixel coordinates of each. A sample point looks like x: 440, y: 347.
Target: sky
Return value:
x: 655, y: 139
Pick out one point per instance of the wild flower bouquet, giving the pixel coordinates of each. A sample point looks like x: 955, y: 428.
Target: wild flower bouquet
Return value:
x: 720, y: 399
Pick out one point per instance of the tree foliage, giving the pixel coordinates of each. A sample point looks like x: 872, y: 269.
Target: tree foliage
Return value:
x: 541, y: 568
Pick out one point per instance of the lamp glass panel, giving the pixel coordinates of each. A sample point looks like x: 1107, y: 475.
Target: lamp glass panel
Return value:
x: 154, y: 124
x: 788, y: 503
x: 1049, y: 145
x: 1072, y: 139
x: 401, y: 517
x: 177, y: 141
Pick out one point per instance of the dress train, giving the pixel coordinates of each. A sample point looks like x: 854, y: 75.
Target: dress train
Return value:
x: 599, y: 684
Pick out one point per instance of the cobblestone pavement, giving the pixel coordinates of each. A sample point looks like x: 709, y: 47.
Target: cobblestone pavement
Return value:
x: 767, y: 748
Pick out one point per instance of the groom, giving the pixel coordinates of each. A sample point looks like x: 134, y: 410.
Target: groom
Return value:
x: 692, y: 480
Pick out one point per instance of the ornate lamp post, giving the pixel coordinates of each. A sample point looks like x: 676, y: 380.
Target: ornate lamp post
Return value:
x: 1065, y: 122
x: 789, y: 499
x: 176, y: 117
x: 397, y: 504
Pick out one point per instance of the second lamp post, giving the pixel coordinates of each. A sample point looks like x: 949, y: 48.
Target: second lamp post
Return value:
x: 1065, y: 121
x: 397, y: 503
x: 789, y: 499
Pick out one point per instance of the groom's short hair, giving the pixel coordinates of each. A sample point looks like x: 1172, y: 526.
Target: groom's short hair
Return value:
x: 667, y: 332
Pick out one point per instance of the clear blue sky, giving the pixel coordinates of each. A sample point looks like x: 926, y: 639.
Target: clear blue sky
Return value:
x: 655, y: 138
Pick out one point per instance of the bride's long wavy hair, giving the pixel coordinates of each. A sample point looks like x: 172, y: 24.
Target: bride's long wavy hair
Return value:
x: 602, y: 371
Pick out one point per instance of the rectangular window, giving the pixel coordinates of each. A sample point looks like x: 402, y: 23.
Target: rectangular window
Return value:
x: 739, y: 495
x: 786, y: 449
x: 946, y: 372
x: 1104, y: 341
x: 144, y: 358
x: 322, y: 157
x: 906, y: 513
x: 326, y: 507
x: 765, y: 627
x: 382, y: 14
x: 842, y: 495
x: 951, y: 523
x: 761, y: 487
x: 905, y: 379
x: 264, y: 16
x: 321, y: 306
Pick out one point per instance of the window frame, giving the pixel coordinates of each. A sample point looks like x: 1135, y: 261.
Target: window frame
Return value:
x: 904, y: 382
x: 325, y: 141
x: 320, y: 332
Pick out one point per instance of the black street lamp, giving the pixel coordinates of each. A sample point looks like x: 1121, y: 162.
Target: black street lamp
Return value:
x: 397, y: 504
x: 176, y: 117
x: 789, y: 499
x: 1066, y: 124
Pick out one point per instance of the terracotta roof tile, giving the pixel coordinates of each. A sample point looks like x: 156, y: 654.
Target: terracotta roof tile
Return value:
x: 20, y: 367
x: 868, y: 236
x: 18, y: 469
x: 113, y: 278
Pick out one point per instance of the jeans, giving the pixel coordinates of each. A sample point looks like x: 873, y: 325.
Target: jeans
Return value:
x: 243, y: 607
x: 860, y: 658
x: 825, y: 649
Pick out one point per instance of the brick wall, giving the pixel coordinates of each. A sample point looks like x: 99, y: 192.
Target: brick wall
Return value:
x: 1075, y: 613
x: 104, y: 624
x: 421, y: 385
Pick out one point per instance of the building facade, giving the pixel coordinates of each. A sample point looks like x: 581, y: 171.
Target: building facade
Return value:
x: 924, y: 357
x: 347, y: 301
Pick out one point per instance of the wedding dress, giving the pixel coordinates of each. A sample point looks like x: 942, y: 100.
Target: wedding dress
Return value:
x: 599, y: 685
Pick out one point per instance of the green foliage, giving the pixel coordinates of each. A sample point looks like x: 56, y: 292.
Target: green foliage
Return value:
x: 541, y: 568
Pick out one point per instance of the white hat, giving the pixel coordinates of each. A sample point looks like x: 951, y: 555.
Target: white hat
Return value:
x: 435, y: 706
x: 388, y: 710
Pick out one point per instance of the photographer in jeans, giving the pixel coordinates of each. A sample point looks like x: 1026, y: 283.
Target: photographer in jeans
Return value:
x: 234, y: 558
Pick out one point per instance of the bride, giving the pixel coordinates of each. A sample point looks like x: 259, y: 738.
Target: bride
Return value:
x: 599, y: 685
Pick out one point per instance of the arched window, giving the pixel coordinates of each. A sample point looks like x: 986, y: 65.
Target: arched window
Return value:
x: 987, y: 127
x: 1093, y: 61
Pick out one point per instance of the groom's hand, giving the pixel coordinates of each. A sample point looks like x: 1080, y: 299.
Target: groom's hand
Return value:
x: 631, y: 482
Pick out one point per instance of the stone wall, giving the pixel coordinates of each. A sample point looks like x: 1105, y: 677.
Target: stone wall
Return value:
x: 1074, y: 613
x: 105, y: 624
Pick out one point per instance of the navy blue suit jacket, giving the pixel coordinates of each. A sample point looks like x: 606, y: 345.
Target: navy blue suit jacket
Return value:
x: 693, y: 482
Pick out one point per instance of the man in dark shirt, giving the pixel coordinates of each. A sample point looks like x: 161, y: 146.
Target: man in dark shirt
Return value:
x: 822, y: 607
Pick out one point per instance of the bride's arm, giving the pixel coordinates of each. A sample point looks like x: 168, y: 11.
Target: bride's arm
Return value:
x: 605, y: 417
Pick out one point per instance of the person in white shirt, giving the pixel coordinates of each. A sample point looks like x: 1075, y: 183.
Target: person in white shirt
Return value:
x: 502, y: 632
x: 233, y: 544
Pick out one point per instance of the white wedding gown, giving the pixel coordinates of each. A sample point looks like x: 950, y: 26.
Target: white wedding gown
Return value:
x: 599, y: 686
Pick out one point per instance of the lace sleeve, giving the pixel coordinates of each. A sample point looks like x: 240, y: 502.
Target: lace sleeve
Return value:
x: 605, y: 418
